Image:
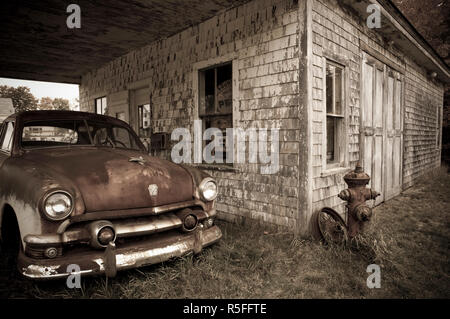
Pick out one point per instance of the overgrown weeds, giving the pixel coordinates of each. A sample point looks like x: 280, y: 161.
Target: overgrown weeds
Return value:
x: 408, y: 238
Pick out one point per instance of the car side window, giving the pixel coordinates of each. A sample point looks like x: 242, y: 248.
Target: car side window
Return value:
x: 6, y: 143
x: 2, y: 127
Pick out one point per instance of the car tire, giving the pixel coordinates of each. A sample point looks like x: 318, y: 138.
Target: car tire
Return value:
x: 10, y: 244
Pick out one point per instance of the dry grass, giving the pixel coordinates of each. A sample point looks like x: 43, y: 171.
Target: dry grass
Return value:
x: 408, y: 238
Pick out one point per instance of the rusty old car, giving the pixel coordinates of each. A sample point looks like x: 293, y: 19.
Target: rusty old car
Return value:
x: 80, y: 189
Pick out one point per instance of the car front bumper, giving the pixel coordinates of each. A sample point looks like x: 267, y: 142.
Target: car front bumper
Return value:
x: 126, y: 256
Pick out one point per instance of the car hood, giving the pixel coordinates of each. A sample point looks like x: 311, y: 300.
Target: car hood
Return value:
x: 108, y: 180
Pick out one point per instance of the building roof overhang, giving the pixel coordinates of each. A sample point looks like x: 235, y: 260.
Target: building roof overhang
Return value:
x: 399, y: 32
x: 38, y: 45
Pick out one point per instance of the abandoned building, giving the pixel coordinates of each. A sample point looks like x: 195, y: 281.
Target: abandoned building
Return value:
x: 338, y: 89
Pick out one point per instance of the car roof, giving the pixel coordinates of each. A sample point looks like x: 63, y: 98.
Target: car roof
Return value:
x: 56, y: 114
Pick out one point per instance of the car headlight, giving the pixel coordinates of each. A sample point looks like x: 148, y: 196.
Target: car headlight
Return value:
x: 208, y: 189
x: 58, y: 205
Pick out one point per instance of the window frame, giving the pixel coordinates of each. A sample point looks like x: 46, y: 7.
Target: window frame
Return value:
x: 340, y: 138
x: 140, y: 119
x: 103, y: 107
x: 209, y: 116
x: 3, y: 131
x: 235, y: 115
x: 86, y: 122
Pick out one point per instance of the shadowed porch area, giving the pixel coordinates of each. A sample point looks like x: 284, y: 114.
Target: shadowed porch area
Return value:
x: 38, y: 45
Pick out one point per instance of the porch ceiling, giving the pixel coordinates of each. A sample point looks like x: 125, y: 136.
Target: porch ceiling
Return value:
x: 37, y: 45
x: 396, y: 28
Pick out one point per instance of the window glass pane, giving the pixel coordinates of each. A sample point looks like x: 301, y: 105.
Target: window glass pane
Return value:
x: 222, y: 123
x: 331, y: 138
x: 104, y: 106
x: 338, y: 91
x: 329, y: 88
x: 209, y: 91
x: 2, y: 128
x: 122, y: 138
x: 216, y: 93
x: 98, y: 106
x: 108, y: 135
x: 38, y: 134
x: 49, y: 134
x: 224, y: 89
x: 144, y: 120
x: 7, y: 140
x: 146, y: 116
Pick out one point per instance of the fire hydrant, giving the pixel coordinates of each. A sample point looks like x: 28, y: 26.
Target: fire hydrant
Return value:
x: 356, y: 196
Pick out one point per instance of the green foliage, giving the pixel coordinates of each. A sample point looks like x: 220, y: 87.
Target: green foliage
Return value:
x: 47, y: 103
x: 60, y: 104
x: 22, y: 98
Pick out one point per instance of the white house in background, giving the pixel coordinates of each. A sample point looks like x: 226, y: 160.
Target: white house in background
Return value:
x: 6, y: 108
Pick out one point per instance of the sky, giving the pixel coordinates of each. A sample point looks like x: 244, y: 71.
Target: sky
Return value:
x: 46, y: 89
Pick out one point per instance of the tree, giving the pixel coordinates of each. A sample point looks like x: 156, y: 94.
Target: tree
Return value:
x: 22, y: 98
x: 61, y: 104
x: 430, y: 18
x: 47, y: 103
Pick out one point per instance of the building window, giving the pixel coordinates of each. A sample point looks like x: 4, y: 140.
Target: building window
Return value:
x: 144, y: 120
x: 216, y: 104
x: 334, y: 87
x: 100, y: 105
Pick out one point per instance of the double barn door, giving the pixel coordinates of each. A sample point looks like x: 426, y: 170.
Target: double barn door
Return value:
x: 382, y: 127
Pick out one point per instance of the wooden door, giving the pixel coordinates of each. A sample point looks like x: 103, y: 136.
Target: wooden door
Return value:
x: 394, y: 133
x: 372, y: 124
x: 118, y: 106
x: 381, y: 127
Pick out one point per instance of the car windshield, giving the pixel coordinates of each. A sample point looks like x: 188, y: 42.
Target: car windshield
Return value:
x: 54, y: 133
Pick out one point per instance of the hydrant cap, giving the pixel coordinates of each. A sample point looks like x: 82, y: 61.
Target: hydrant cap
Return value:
x: 357, y: 177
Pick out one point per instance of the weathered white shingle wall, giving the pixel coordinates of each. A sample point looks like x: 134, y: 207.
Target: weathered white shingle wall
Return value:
x: 263, y: 36
x: 422, y: 97
x: 337, y: 34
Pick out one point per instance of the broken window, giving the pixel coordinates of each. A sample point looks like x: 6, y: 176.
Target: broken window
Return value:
x: 216, y: 104
x: 100, y: 105
x: 334, y: 87
x: 144, y: 120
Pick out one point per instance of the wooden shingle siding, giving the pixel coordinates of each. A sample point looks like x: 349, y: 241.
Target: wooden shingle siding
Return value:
x: 338, y: 34
x: 422, y: 97
x: 263, y: 38
x: 278, y: 82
